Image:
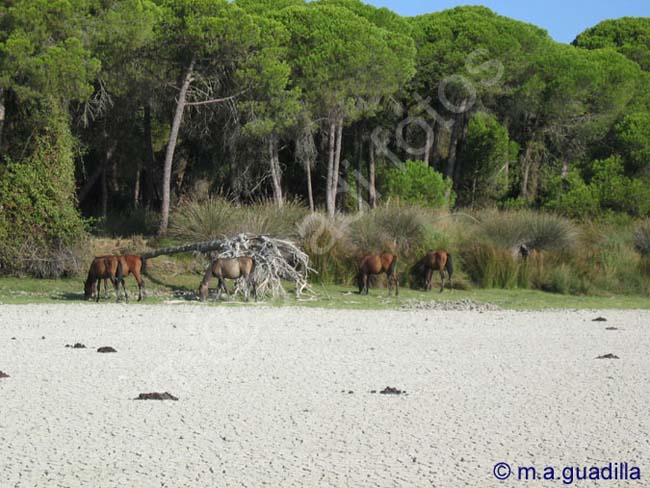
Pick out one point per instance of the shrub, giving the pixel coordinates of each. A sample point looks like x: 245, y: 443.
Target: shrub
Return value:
x: 417, y: 184
x: 40, y: 227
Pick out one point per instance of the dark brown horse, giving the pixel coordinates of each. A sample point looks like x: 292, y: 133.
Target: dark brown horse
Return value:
x: 374, y: 265
x: 230, y: 268
x: 132, y: 265
x: 102, y: 268
x: 433, y: 261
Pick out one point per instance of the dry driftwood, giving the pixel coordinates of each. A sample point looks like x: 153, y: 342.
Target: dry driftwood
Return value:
x: 276, y: 260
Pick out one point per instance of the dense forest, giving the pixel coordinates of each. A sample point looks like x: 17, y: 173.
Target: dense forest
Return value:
x: 115, y: 108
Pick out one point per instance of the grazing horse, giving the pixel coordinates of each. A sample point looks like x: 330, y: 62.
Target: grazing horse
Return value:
x: 102, y: 268
x: 374, y: 265
x: 434, y: 261
x: 132, y: 264
x: 231, y: 268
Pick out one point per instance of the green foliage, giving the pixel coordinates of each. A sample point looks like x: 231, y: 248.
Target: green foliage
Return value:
x: 608, y: 190
x: 633, y: 134
x: 486, y: 152
x: 628, y: 35
x: 40, y: 227
x: 573, y: 197
x: 43, y: 55
x: 337, y: 57
x: 417, y: 184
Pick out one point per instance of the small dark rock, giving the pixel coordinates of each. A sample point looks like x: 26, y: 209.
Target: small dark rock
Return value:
x: 43, y: 338
x: 389, y: 390
x: 13, y: 338
x: 106, y: 349
x: 350, y: 392
x: 599, y: 319
x: 373, y: 391
x: 608, y: 356
x: 156, y: 396
x: 76, y: 345
x: 611, y: 328
x: 3, y: 374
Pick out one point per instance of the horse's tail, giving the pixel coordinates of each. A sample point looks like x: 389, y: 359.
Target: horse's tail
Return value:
x: 119, y: 275
x: 143, y: 260
x: 393, y: 265
x: 449, y: 266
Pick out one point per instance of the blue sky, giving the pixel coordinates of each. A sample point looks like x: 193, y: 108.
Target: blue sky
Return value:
x: 563, y: 19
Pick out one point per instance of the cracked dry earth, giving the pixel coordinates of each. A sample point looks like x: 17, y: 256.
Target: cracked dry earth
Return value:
x: 264, y: 396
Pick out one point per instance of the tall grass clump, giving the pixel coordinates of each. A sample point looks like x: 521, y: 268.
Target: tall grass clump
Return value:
x: 490, y: 266
x: 330, y: 251
x: 203, y: 220
x: 490, y: 247
x: 216, y: 216
x: 642, y: 238
x: 264, y: 217
x: 541, y: 231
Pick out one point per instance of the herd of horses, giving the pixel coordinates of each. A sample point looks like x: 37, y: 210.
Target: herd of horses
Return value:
x: 117, y: 268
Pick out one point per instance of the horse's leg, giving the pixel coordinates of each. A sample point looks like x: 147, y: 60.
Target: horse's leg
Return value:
x: 390, y: 283
x: 442, y: 280
x: 116, y: 284
x: 105, y: 287
x: 366, y: 281
x: 140, y: 281
x: 396, y: 278
x: 247, y: 290
x: 126, y: 297
x: 99, y: 289
x: 428, y: 278
x: 225, y: 288
x: 219, y: 280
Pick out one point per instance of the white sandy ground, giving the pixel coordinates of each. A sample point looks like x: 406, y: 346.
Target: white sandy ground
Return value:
x: 264, y: 396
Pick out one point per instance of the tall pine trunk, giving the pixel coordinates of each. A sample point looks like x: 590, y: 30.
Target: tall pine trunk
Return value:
x: 329, y: 203
x: 372, y: 191
x: 276, y: 171
x: 359, y: 175
x: 171, y: 147
x: 310, y: 190
x: 337, y: 163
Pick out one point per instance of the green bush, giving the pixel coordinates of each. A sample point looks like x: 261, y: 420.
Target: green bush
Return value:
x: 609, y: 190
x: 41, y: 230
x: 417, y: 184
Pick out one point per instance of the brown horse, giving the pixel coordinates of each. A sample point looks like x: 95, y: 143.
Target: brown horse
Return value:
x: 433, y: 261
x: 102, y: 268
x: 132, y: 264
x: 374, y: 265
x: 231, y: 268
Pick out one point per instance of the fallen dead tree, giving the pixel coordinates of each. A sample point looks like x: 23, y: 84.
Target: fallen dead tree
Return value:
x: 276, y: 261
